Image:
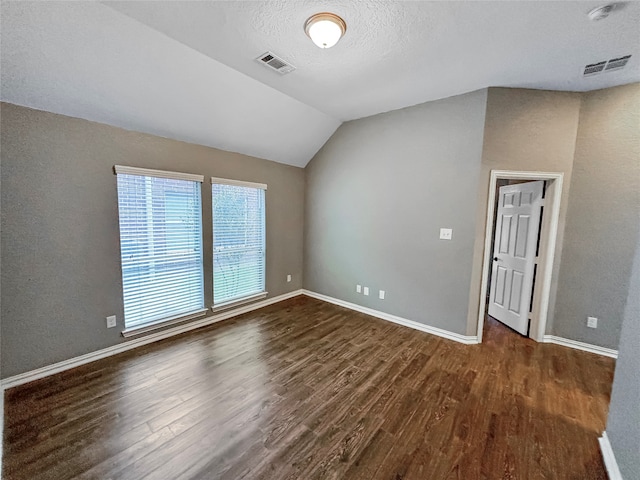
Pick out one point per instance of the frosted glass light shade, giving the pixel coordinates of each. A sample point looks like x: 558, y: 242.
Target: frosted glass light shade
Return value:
x: 325, y: 29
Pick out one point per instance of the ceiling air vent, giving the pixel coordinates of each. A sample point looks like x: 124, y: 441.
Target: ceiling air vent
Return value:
x: 606, y: 66
x: 616, y: 63
x: 275, y: 63
x: 594, y: 68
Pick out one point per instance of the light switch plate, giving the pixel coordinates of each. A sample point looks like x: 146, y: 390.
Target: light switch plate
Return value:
x: 592, y: 322
x: 111, y: 321
x: 446, y: 233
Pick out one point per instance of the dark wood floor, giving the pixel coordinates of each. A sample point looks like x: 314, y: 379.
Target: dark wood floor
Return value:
x: 307, y: 390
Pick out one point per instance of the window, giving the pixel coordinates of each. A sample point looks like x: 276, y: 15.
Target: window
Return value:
x: 160, y: 246
x: 238, y: 241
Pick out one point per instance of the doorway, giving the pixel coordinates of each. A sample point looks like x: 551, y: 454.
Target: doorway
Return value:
x: 539, y: 301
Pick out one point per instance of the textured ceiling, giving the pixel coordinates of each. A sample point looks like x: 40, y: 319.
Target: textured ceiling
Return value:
x: 401, y: 53
x: 86, y: 60
x: 186, y: 70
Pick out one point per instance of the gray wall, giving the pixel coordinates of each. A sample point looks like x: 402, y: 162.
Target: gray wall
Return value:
x: 60, y: 243
x: 1, y: 394
x: 377, y: 194
x: 602, y: 219
x: 377, y: 179
x: 525, y: 130
x: 623, y: 424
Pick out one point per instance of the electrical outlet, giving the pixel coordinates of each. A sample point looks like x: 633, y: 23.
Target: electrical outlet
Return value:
x: 358, y: 288
x: 111, y: 321
x: 288, y: 278
x: 381, y: 295
x: 446, y: 233
x: 592, y: 322
x: 366, y: 290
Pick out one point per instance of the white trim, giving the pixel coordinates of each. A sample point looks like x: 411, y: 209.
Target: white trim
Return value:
x: 139, y: 330
x: 148, y: 172
x: 32, y: 375
x: 538, y: 321
x: 467, y: 340
x: 238, y: 183
x: 239, y: 301
x: 609, y: 458
x: 585, y: 347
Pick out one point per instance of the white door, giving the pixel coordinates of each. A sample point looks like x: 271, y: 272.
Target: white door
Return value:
x: 514, y: 253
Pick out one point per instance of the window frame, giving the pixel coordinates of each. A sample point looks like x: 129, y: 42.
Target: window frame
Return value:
x: 227, y: 304
x: 182, y: 316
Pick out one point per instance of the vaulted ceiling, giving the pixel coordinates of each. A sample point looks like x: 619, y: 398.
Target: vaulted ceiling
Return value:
x: 187, y: 70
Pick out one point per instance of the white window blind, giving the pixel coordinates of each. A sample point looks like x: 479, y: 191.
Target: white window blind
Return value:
x: 238, y: 240
x: 160, y: 244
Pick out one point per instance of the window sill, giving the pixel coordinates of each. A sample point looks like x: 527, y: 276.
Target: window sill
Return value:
x: 139, y: 330
x: 238, y: 302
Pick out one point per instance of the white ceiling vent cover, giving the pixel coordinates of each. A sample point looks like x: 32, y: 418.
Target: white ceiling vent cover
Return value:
x: 616, y: 63
x: 594, y: 68
x: 274, y: 62
x: 606, y: 66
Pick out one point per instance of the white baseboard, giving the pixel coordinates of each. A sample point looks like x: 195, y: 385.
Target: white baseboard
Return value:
x: 32, y: 375
x: 609, y: 458
x: 586, y: 347
x: 136, y: 342
x: 468, y: 340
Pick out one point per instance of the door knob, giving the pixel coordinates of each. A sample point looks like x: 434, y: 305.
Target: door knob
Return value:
x: 495, y: 259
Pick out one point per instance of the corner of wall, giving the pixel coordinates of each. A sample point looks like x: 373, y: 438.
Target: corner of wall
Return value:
x: 475, y: 294
x: 549, y: 329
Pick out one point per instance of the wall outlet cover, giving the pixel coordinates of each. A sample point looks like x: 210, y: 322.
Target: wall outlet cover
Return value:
x: 446, y: 233
x: 381, y: 294
x: 592, y: 322
x: 111, y: 321
x: 366, y: 290
x: 288, y: 278
x: 359, y: 288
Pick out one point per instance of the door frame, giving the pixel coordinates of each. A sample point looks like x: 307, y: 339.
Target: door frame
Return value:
x: 548, y: 235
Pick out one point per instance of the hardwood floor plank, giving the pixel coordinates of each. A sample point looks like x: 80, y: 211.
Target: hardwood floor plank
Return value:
x: 337, y: 460
x: 114, y: 464
x: 307, y: 390
x: 372, y: 455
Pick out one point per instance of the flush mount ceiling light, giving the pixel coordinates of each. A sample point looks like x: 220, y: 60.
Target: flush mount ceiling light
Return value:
x: 601, y: 12
x: 325, y: 29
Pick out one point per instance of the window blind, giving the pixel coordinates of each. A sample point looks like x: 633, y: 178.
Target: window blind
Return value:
x: 161, y: 245
x: 238, y: 240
